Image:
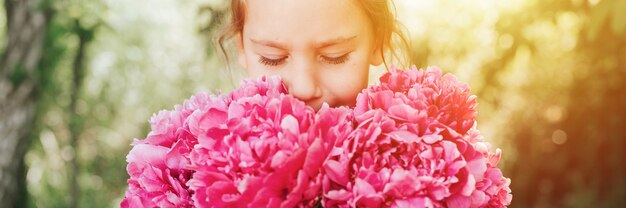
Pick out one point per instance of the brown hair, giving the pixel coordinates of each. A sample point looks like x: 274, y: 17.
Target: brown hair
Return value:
x: 379, y: 13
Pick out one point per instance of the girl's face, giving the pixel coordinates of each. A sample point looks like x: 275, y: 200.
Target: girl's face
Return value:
x: 321, y: 48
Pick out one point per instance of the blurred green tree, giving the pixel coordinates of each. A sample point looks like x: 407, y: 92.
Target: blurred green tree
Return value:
x: 20, y: 83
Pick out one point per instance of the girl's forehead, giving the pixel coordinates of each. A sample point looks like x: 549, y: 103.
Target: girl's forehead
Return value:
x: 301, y: 8
x: 319, y: 20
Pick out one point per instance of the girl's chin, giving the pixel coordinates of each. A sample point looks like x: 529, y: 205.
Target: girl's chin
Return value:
x: 315, y: 105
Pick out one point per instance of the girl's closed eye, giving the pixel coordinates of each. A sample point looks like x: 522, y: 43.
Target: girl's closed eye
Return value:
x: 326, y: 59
x: 272, y: 61
x: 336, y: 60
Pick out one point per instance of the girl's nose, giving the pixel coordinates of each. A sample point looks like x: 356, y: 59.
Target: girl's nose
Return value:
x: 304, y: 84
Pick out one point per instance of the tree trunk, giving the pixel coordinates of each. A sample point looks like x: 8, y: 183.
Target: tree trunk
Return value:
x: 75, y: 125
x: 26, y: 28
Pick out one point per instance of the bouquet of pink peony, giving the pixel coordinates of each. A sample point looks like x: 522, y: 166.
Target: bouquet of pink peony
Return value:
x: 410, y: 141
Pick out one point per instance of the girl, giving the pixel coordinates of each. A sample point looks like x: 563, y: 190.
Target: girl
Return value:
x: 322, y: 49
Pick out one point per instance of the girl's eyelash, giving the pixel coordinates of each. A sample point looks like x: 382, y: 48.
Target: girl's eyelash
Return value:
x: 271, y: 62
x: 337, y: 60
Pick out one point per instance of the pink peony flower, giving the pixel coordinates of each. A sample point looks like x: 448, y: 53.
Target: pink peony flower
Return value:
x: 388, y: 163
x: 158, y: 165
x: 264, y: 149
x: 157, y: 178
x: 414, y: 147
x: 443, y: 97
x: 492, y: 188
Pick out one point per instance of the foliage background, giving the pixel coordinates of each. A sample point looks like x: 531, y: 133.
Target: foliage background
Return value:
x: 550, y: 77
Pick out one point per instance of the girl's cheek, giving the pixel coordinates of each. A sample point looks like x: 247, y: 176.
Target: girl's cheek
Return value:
x: 255, y: 70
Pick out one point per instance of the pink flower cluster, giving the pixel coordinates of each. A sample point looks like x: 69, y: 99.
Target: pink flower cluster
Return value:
x: 409, y: 142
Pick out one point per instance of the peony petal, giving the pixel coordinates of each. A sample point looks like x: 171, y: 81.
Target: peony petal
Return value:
x: 336, y: 172
x: 363, y: 188
x: 290, y: 124
x: 431, y: 139
x: 315, y: 157
x: 405, y: 136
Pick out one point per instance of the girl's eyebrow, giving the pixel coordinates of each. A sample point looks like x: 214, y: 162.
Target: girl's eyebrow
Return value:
x: 335, y: 41
x: 269, y: 43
